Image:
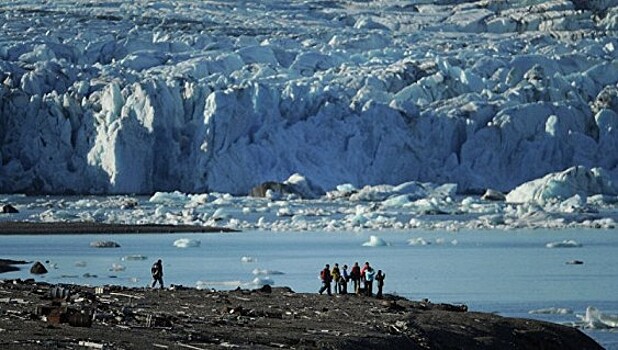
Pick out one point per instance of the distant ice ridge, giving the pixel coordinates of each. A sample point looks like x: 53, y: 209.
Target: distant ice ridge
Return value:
x: 478, y: 94
x: 407, y: 206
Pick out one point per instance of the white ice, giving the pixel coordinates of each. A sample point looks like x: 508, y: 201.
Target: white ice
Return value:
x: 100, y: 99
x: 375, y: 241
x: 594, y: 318
x: 187, y: 243
x: 569, y: 243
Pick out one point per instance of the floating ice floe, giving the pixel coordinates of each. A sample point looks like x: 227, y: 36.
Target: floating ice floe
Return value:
x: 136, y: 257
x: 201, y: 285
x: 248, y: 259
x: 552, y: 311
x: 80, y: 264
x: 596, y: 319
x: 375, y: 241
x: 104, y: 244
x: 262, y: 281
x: 187, y: 243
x: 266, y: 272
x: 117, y: 267
x: 564, y: 244
x: 418, y: 241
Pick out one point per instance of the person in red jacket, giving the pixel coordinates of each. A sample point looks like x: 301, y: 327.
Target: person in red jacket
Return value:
x: 355, y: 276
x: 326, y: 278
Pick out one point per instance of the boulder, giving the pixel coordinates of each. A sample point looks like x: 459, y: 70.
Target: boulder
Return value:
x: 38, y: 268
x: 9, y: 209
x: 493, y: 195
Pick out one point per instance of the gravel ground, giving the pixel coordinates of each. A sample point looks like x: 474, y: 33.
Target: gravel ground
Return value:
x: 37, y: 315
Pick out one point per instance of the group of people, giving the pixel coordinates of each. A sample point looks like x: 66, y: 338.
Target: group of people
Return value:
x: 362, y: 279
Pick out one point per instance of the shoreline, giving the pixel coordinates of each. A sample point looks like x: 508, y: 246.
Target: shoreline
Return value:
x: 38, y: 315
x: 56, y: 228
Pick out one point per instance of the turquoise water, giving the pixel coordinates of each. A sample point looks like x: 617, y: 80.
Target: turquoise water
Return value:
x: 508, y: 272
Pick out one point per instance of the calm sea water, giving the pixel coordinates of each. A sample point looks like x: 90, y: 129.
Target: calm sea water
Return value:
x: 508, y: 272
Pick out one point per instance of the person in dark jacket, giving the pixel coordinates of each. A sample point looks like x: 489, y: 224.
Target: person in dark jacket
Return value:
x: 326, y: 278
x: 157, y: 273
x: 355, y: 276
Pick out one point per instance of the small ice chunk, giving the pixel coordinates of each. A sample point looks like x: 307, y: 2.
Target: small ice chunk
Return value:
x: 80, y: 263
x: 262, y: 281
x: 187, y: 243
x: 117, y: 267
x: 201, y: 285
x: 266, y: 272
x: 567, y: 243
x: 248, y: 259
x: 168, y: 198
x: 596, y: 319
x: 375, y: 241
x: 104, y: 244
x: 552, y: 311
x: 135, y: 257
x: 418, y: 241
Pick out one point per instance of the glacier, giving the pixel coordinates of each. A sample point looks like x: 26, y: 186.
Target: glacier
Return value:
x: 138, y: 97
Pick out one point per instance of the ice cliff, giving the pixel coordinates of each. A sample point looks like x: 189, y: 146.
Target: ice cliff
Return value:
x: 143, y: 96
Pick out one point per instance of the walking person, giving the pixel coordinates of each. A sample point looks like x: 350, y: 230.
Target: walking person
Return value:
x: 380, y: 276
x: 355, y: 276
x: 369, y: 277
x: 326, y: 278
x: 157, y: 273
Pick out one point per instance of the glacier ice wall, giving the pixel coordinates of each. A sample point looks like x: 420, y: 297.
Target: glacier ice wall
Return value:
x: 223, y: 95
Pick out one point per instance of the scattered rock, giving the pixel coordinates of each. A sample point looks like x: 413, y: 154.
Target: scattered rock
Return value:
x: 6, y: 265
x: 575, y: 262
x: 9, y: 209
x: 137, y: 318
x: 38, y: 268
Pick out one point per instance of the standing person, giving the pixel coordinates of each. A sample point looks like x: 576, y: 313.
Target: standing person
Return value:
x: 157, y: 273
x: 380, y: 276
x: 355, y: 275
x: 345, y: 278
x: 326, y: 279
x: 336, y: 274
x: 362, y: 274
x: 369, y: 276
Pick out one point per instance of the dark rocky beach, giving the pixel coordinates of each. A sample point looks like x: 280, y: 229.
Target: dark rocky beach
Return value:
x: 36, y: 315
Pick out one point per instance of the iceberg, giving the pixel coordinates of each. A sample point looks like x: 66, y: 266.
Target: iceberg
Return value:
x: 187, y: 243
x: 594, y: 318
x: 375, y: 241
x: 569, y: 243
x: 564, y: 185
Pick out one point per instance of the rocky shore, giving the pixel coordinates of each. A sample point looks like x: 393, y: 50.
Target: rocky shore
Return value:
x: 38, y: 315
x: 47, y: 228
